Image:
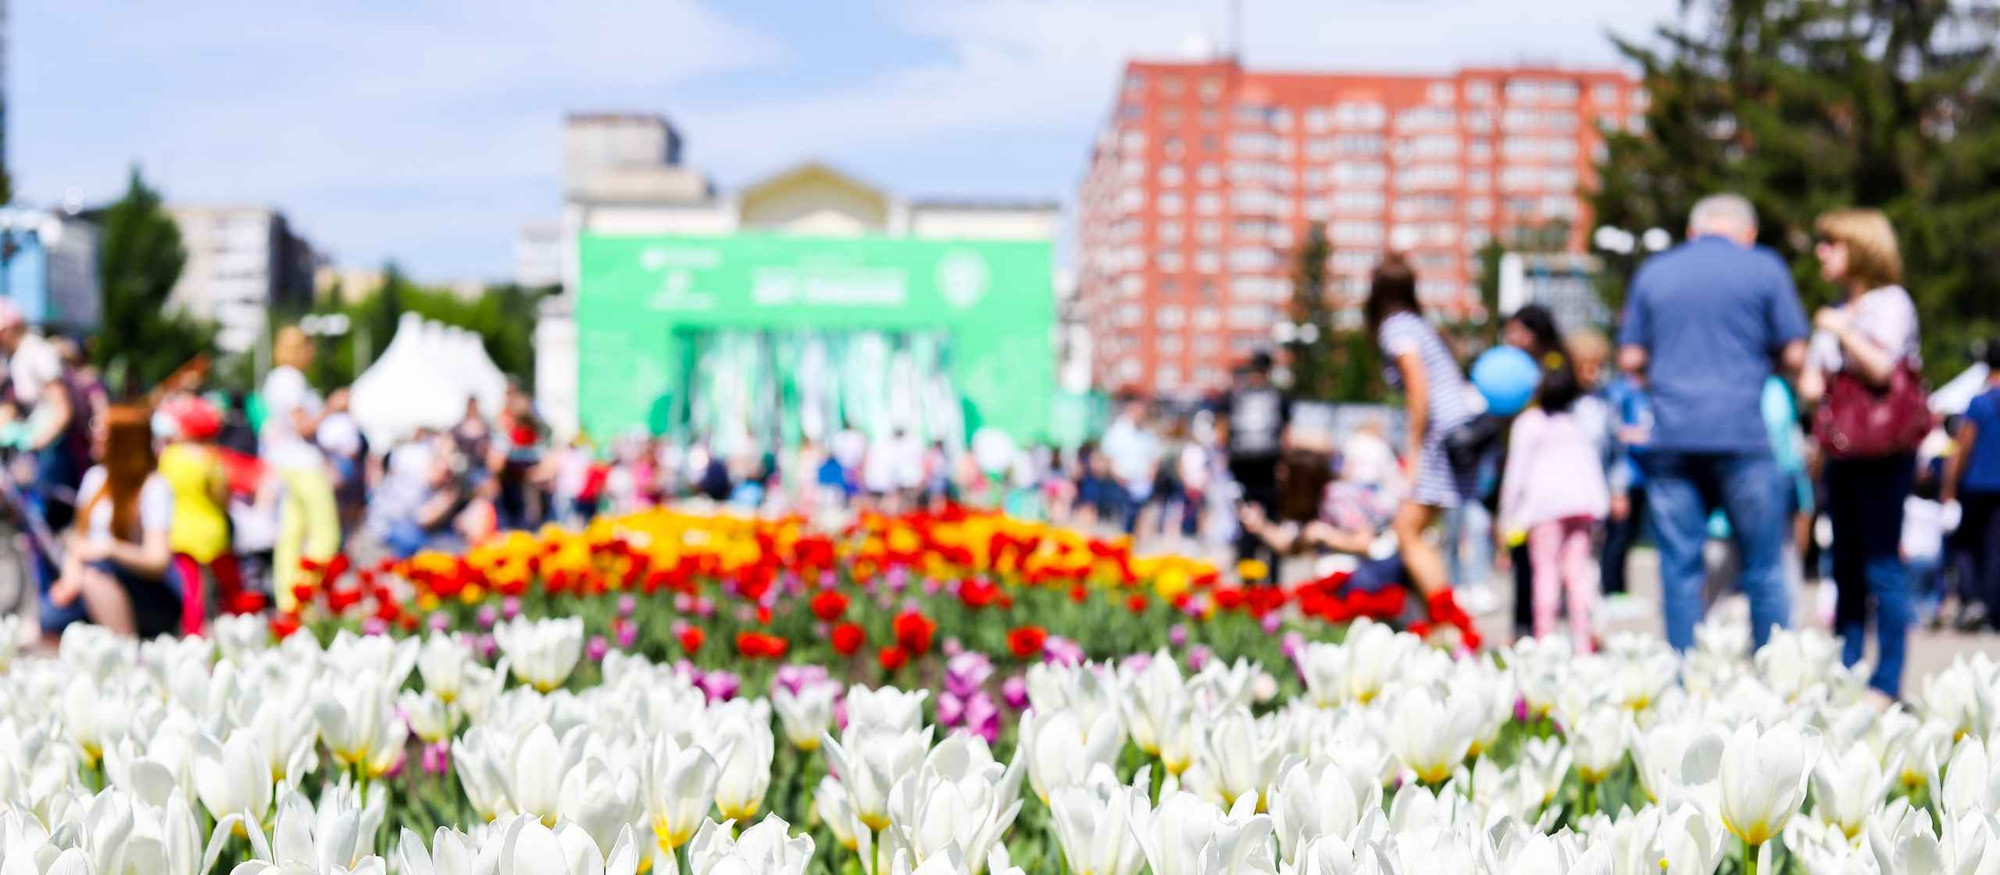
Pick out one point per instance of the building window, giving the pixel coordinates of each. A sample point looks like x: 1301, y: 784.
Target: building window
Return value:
x: 1170, y: 115
x: 1170, y: 86
x: 1208, y: 261
x: 1358, y: 202
x: 1135, y: 83
x: 1440, y: 92
x: 1363, y: 116
x: 1208, y: 174
x: 1211, y: 90
x: 1479, y: 91
x: 1208, y: 231
x: 1174, y: 148
x: 1356, y: 233
x: 1171, y: 316
x: 1208, y: 203
x: 1170, y: 344
x: 1170, y: 174
x: 1604, y: 94
x: 1170, y: 204
x: 1426, y: 117
x: 1315, y: 119
x: 1359, y: 174
x: 1168, y: 260
x: 1170, y: 231
x: 1359, y: 144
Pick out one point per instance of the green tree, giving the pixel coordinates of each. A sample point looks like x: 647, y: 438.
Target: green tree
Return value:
x: 1810, y: 105
x: 503, y: 317
x: 140, y: 258
x: 1313, y: 368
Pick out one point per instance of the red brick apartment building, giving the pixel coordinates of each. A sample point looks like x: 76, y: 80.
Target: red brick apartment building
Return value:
x: 1207, y: 176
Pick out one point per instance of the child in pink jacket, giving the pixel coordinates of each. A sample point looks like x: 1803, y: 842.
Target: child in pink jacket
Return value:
x: 1554, y: 490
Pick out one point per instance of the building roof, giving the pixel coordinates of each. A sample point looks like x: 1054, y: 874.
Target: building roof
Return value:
x: 1022, y: 205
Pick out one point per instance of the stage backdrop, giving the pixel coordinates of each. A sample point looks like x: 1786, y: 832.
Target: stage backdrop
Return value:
x: 762, y: 336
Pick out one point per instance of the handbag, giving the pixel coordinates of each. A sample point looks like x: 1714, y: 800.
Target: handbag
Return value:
x: 1858, y: 421
x: 1468, y: 442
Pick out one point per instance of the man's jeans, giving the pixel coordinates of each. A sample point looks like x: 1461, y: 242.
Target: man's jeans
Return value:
x: 1682, y: 489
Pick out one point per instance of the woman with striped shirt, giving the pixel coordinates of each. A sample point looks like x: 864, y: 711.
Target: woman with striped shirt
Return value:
x: 1436, y: 394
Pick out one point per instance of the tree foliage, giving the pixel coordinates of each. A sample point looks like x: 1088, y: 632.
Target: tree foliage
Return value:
x: 503, y: 317
x: 1810, y: 105
x: 140, y: 258
x: 1313, y: 367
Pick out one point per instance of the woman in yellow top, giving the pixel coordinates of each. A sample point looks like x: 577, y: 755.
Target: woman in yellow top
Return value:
x: 199, y: 536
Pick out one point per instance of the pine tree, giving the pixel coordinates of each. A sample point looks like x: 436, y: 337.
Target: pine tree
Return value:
x: 1312, y: 359
x: 1810, y: 105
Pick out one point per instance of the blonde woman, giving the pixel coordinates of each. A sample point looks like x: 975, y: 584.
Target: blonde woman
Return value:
x: 308, y: 517
x: 1871, y: 336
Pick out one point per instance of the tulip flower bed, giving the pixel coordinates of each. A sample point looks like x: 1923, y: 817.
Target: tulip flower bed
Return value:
x: 424, y: 754
x: 884, y: 600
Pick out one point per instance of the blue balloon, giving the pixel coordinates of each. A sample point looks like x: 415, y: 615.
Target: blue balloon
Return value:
x: 1506, y: 377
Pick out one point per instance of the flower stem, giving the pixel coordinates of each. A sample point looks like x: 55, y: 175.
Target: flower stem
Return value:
x: 1749, y: 859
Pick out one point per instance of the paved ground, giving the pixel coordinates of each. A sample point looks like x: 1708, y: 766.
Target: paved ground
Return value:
x: 1929, y: 650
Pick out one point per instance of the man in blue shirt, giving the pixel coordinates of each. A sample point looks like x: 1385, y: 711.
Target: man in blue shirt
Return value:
x: 1706, y: 323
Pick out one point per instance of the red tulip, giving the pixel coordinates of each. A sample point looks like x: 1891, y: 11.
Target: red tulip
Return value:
x: 691, y: 639
x: 829, y: 605
x: 893, y: 658
x: 1027, y: 641
x: 848, y: 638
x: 914, y: 631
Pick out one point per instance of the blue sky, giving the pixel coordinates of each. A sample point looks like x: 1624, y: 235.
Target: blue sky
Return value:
x: 428, y: 130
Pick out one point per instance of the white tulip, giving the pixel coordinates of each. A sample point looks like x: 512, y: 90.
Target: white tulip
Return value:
x: 1848, y: 786
x: 1154, y: 698
x: 680, y: 790
x: 1061, y: 750
x: 1236, y: 759
x: 1092, y: 824
x: 766, y: 848
x: 1319, y: 798
x: 1189, y: 835
x: 831, y: 803
x: 357, y: 721
x: 429, y: 718
x: 233, y: 777
x: 1598, y: 741
x: 886, y: 708
x: 738, y: 735
x: 542, y: 653
x: 1431, y: 737
x: 805, y: 715
x: 931, y: 810
x: 1972, y: 778
x: 442, y: 662
x: 1763, y: 779
x: 870, y: 760
x: 602, y: 802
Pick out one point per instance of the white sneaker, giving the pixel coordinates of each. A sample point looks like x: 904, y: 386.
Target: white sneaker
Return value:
x: 1622, y: 607
x: 1477, y: 598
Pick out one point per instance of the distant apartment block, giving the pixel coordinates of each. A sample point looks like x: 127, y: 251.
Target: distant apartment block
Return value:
x: 241, y: 261
x: 1207, y: 176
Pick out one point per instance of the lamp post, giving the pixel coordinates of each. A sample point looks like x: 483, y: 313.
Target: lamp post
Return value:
x: 317, y: 325
x: 1294, y: 337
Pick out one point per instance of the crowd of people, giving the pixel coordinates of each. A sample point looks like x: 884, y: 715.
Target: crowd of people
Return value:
x: 1721, y: 416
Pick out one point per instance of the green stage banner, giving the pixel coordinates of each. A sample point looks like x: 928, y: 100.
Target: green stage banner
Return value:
x: 648, y: 304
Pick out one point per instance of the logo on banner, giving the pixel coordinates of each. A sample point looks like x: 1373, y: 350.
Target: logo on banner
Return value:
x: 962, y: 278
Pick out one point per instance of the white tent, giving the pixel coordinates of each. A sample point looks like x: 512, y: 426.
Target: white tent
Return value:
x: 1951, y: 398
x: 423, y: 379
